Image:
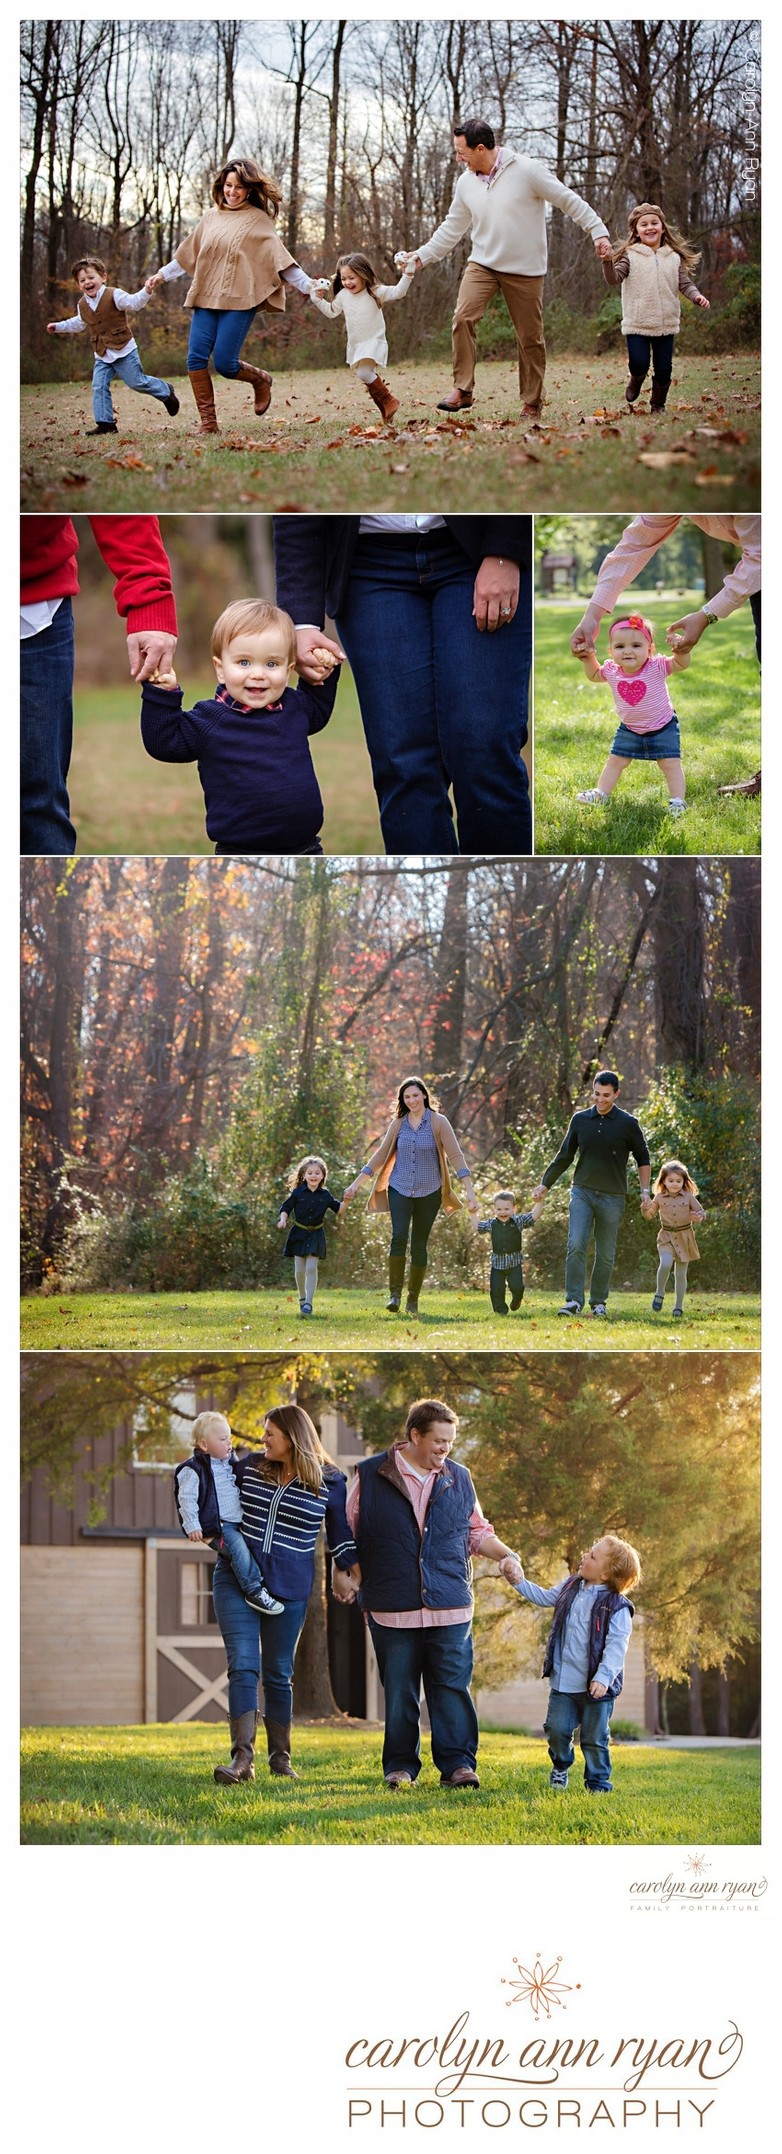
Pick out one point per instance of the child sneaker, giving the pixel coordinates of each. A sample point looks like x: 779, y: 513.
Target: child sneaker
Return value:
x: 263, y: 1600
x: 658, y: 1302
x: 570, y: 1308
x: 593, y: 798
x: 556, y: 1779
x: 677, y: 807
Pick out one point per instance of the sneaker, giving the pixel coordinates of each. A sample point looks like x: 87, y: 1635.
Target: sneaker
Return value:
x: 598, y: 1791
x: 556, y: 1779
x: 599, y: 1308
x: 570, y: 1308
x: 305, y: 1308
x: 264, y: 1601
x: 657, y: 1303
x: 593, y: 798
x: 170, y: 402
x: 104, y: 426
x: 677, y: 807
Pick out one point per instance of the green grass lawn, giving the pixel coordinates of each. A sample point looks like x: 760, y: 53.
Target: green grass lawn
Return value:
x: 111, y: 1786
x: 123, y: 802
x: 269, y: 1320
x: 321, y: 446
x: 718, y: 703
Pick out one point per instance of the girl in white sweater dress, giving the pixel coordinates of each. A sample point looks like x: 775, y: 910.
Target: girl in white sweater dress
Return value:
x: 654, y: 267
x: 357, y: 301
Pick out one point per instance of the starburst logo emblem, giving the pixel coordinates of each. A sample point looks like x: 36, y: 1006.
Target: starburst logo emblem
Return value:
x: 539, y: 1987
x: 697, y: 1863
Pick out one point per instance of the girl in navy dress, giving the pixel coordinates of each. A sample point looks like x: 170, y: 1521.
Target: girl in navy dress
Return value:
x: 308, y: 1202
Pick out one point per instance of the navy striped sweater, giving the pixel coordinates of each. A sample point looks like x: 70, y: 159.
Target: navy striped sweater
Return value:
x: 282, y: 1523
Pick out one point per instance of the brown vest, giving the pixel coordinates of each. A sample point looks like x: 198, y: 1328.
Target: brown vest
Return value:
x: 106, y: 324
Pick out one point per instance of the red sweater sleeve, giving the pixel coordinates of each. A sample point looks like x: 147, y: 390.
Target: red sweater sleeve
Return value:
x: 133, y: 550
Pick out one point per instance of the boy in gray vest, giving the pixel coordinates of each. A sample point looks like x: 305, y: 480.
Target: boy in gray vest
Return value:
x: 506, y: 1268
x: 585, y: 1654
x: 209, y: 1503
x: 103, y: 312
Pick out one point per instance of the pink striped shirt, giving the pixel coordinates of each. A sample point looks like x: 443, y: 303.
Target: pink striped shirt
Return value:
x: 642, y: 699
x: 419, y: 1491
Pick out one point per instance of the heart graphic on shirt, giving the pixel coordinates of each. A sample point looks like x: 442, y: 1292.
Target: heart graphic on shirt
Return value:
x: 631, y: 691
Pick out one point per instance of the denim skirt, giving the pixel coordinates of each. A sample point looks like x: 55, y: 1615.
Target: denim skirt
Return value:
x: 647, y: 747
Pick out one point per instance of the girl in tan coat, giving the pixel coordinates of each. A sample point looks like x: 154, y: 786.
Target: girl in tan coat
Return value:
x: 411, y: 1173
x: 238, y: 263
x: 654, y: 267
x: 674, y: 1201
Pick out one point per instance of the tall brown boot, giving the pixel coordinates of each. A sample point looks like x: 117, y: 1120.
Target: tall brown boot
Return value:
x: 659, y: 394
x: 262, y: 386
x: 203, y: 391
x: 279, y: 1742
x: 242, y: 1766
x: 635, y: 384
x: 415, y: 1280
x: 382, y: 397
x: 396, y: 1280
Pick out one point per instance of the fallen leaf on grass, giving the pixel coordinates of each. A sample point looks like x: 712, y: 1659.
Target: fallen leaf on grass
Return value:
x: 659, y: 459
x: 128, y: 463
x: 725, y: 433
x: 338, y: 444
x: 73, y: 478
x: 714, y: 478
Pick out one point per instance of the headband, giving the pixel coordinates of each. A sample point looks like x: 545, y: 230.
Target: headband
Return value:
x: 632, y: 620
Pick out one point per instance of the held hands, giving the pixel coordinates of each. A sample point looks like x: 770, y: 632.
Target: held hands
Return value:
x: 540, y: 1194
x: 407, y: 262
x: 582, y: 641
x: 684, y: 634
x: 511, y: 1569
x: 150, y: 283
x: 603, y: 248
x: 149, y: 653
x: 495, y: 593
x: 319, y: 284
x: 316, y: 655
x: 345, y: 1584
x: 597, y: 1690
x: 196, y: 1535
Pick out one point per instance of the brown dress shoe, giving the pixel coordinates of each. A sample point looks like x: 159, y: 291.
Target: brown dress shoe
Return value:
x: 394, y: 1781
x: 278, y: 1740
x: 203, y: 391
x: 382, y: 396
x: 262, y: 386
x: 531, y: 411
x: 459, y: 400
x: 242, y: 1766
x: 464, y: 1777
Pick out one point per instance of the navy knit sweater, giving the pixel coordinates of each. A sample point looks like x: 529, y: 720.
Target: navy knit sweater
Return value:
x: 260, y: 788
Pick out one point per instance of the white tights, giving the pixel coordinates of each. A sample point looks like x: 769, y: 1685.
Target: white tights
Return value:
x: 306, y: 1274
x: 667, y: 1257
x: 365, y: 370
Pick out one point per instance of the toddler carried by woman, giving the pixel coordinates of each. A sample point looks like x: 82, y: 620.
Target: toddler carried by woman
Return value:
x: 654, y: 267
x: 648, y: 730
x: 309, y: 1202
x: 358, y: 302
x: 674, y: 1201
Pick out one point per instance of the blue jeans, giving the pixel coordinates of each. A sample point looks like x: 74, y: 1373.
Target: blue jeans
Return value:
x: 46, y: 684
x: 660, y: 349
x: 414, y: 1216
x: 241, y: 1558
x: 441, y: 703
x: 218, y: 333
x: 256, y: 1643
x: 129, y: 370
x: 591, y: 1208
x: 565, y: 1711
x: 442, y: 1660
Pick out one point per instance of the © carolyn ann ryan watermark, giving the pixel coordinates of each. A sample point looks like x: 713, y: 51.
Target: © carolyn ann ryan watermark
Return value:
x: 700, y: 1886
x: 749, y: 156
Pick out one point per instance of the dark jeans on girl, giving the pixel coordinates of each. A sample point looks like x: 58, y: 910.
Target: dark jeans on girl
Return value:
x: 218, y: 333
x: 442, y: 704
x: 256, y: 1644
x: 660, y: 349
x: 565, y: 1711
x: 414, y: 1216
x: 46, y: 681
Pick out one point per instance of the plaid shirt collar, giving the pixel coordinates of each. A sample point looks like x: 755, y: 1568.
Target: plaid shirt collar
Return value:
x: 232, y: 703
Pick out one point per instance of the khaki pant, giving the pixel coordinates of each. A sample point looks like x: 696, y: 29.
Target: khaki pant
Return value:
x: 523, y: 298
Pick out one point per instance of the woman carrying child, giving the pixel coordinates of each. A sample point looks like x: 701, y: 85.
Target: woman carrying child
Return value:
x: 412, y: 1169
x: 674, y: 1201
x: 654, y: 267
x: 309, y: 1202
x: 358, y: 300
x: 238, y: 263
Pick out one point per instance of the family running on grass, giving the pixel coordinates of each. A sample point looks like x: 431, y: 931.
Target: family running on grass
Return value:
x: 238, y: 266
x: 412, y: 1172
x: 401, y: 1542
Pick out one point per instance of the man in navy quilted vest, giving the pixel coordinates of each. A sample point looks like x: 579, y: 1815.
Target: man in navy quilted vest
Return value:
x: 417, y: 1523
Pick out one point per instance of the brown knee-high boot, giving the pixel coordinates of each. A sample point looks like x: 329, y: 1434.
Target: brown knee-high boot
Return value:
x: 383, y: 397
x: 203, y: 391
x: 396, y: 1280
x: 262, y: 386
x: 415, y: 1280
x: 278, y: 1739
x: 242, y: 1766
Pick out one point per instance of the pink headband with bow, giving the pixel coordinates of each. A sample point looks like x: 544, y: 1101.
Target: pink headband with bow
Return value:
x: 633, y: 620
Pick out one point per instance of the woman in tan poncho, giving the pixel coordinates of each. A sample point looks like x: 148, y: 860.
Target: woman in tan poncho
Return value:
x: 238, y: 263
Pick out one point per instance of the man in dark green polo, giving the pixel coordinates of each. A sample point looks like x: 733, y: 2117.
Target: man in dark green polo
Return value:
x: 600, y: 1139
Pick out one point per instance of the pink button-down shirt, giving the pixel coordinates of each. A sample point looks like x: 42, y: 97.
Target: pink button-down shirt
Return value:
x: 419, y: 1491
x: 641, y: 538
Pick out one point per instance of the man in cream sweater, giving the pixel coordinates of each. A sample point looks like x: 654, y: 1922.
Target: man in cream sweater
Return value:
x: 501, y: 198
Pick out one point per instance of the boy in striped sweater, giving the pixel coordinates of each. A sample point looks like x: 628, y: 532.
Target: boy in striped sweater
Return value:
x: 209, y: 1504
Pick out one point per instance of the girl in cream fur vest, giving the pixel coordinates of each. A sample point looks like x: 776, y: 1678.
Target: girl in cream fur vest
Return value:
x: 654, y: 266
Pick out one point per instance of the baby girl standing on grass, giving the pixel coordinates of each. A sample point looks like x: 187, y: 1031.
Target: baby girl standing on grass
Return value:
x: 674, y: 1201
x: 357, y: 301
x: 648, y: 730
x: 654, y: 267
x: 308, y: 1202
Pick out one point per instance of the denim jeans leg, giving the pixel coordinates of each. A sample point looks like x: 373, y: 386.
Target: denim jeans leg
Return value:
x: 241, y: 1632
x: 425, y: 1210
x: 204, y: 326
x: 580, y: 1219
x: 562, y: 1718
x: 481, y: 691
x: 233, y: 325
x: 46, y: 685
x: 131, y: 371
x: 400, y: 1660
x: 608, y: 1216
x: 401, y: 1210
x: 639, y: 351
x: 241, y: 1559
x: 385, y: 625
x: 662, y: 358
x: 279, y: 1638
x: 102, y: 406
x: 595, y: 1741
x: 448, y: 1661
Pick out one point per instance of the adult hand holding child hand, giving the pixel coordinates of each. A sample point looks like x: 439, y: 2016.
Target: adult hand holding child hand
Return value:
x: 316, y: 655
x: 511, y: 1569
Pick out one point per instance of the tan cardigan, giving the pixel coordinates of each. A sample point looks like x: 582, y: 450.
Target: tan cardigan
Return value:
x: 448, y: 1151
x: 652, y: 280
x: 236, y: 256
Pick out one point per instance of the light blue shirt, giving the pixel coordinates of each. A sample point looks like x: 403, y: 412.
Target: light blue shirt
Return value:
x: 571, y: 1648
x: 229, y: 1502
